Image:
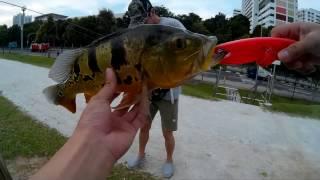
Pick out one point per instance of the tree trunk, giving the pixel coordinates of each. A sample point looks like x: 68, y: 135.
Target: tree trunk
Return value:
x: 4, y: 173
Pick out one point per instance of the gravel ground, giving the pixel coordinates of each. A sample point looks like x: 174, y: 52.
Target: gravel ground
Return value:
x: 215, y: 140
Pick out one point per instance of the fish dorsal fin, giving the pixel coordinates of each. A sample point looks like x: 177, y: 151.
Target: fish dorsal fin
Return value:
x: 61, y: 69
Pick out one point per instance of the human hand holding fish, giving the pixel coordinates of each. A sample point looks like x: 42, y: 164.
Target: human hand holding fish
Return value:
x: 100, y: 139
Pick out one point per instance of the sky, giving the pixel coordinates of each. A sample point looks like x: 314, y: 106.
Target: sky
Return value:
x: 74, y: 8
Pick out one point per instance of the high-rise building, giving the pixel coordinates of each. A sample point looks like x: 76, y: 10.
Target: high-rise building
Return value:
x: 236, y: 12
x: 17, y: 19
x: 309, y: 15
x: 250, y: 8
x: 270, y: 12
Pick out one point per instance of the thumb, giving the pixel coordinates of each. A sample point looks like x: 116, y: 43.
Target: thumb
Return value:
x: 294, y: 51
x: 108, y: 90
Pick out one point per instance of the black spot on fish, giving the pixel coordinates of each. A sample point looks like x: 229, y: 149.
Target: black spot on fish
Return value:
x: 118, y: 54
x: 92, y: 58
x: 87, y: 78
x: 76, y: 68
x: 128, y: 80
x: 138, y: 67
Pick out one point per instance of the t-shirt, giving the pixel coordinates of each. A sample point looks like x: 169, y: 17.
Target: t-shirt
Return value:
x: 166, y: 21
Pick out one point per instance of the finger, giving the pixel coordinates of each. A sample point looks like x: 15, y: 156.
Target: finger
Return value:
x: 108, y: 91
x: 295, y: 51
x: 138, y: 123
x: 130, y: 116
x: 121, y: 112
x: 294, y: 65
x: 291, y: 31
x: 307, y: 68
x: 144, y: 109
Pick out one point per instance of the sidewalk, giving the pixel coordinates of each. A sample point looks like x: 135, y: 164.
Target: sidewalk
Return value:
x: 215, y: 140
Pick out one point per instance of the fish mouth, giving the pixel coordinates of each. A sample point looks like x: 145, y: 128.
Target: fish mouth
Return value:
x: 205, y: 55
x: 209, y: 44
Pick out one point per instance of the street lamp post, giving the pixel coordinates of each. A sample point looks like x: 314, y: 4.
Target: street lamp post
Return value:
x: 22, y: 24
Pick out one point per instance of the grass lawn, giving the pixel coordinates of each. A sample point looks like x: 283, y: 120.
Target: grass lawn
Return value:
x: 22, y: 136
x: 201, y: 90
x: 290, y: 106
x: 35, y: 60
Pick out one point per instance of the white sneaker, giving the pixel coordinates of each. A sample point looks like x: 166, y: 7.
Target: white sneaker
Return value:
x: 168, y: 170
x: 135, y: 162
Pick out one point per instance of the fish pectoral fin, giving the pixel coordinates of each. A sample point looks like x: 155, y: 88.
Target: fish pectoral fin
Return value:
x: 87, y: 97
x: 128, y: 100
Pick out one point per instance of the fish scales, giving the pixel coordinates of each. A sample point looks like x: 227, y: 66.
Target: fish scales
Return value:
x: 153, y: 55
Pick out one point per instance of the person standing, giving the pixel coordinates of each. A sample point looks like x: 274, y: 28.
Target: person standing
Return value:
x: 163, y: 100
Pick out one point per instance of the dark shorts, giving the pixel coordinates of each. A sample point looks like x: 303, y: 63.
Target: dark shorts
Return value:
x: 168, y: 113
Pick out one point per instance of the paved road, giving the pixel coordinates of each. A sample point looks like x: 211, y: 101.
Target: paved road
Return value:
x: 216, y: 140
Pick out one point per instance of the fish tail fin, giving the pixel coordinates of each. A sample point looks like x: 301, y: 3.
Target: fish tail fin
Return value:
x: 52, y: 95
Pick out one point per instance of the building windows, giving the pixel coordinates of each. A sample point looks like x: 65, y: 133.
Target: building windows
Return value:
x: 281, y: 17
x: 290, y: 13
x: 281, y: 10
x: 281, y: 3
x: 290, y: 19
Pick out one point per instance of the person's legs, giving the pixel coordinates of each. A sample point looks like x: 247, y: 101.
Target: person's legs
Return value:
x: 169, y: 143
x: 143, y: 140
x: 169, y: 120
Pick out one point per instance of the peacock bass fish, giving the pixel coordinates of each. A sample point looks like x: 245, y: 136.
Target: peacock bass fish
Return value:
x: 153, y: 55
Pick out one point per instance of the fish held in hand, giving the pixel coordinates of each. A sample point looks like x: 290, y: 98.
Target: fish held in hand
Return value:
x: 156, y: 56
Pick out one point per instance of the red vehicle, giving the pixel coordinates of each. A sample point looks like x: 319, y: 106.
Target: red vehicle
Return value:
x: 40, y: 47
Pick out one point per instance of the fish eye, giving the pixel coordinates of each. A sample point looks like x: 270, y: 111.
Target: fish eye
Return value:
x: 180, y: 43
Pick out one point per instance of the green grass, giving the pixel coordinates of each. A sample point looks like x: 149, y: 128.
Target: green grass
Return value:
x: 35, y: 60
x: 201, y: 90
x: 312, y: 111
x: 295, y: 107
x: 264, y: 174
x: 22, y: 136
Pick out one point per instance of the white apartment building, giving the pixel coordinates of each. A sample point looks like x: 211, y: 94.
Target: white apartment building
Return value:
x: 250, y: 8
x: 236, y: 12
x: 17, y: 19
x: 270, y: 12
x: 309, y: 15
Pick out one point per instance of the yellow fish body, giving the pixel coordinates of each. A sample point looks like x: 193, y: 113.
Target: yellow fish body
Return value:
x: 155, y: 55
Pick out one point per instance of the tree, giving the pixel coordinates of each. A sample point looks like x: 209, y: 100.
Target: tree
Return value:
x: 14, y: 34
x: 163, y: 11
x: 106, y: 23
x: 219, y: 26
x: 3, y: 36
x: 261, y: 31
x: 47, y: 32
x: 240, y: 26
x: 123, y: 22
x: 29, y: 32
x: 193, y: 22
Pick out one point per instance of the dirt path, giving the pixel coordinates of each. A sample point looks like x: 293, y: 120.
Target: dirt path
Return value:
x: 215, y: 140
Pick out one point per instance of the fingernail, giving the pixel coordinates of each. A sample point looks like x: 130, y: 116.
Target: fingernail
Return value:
x: 283, y: 55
